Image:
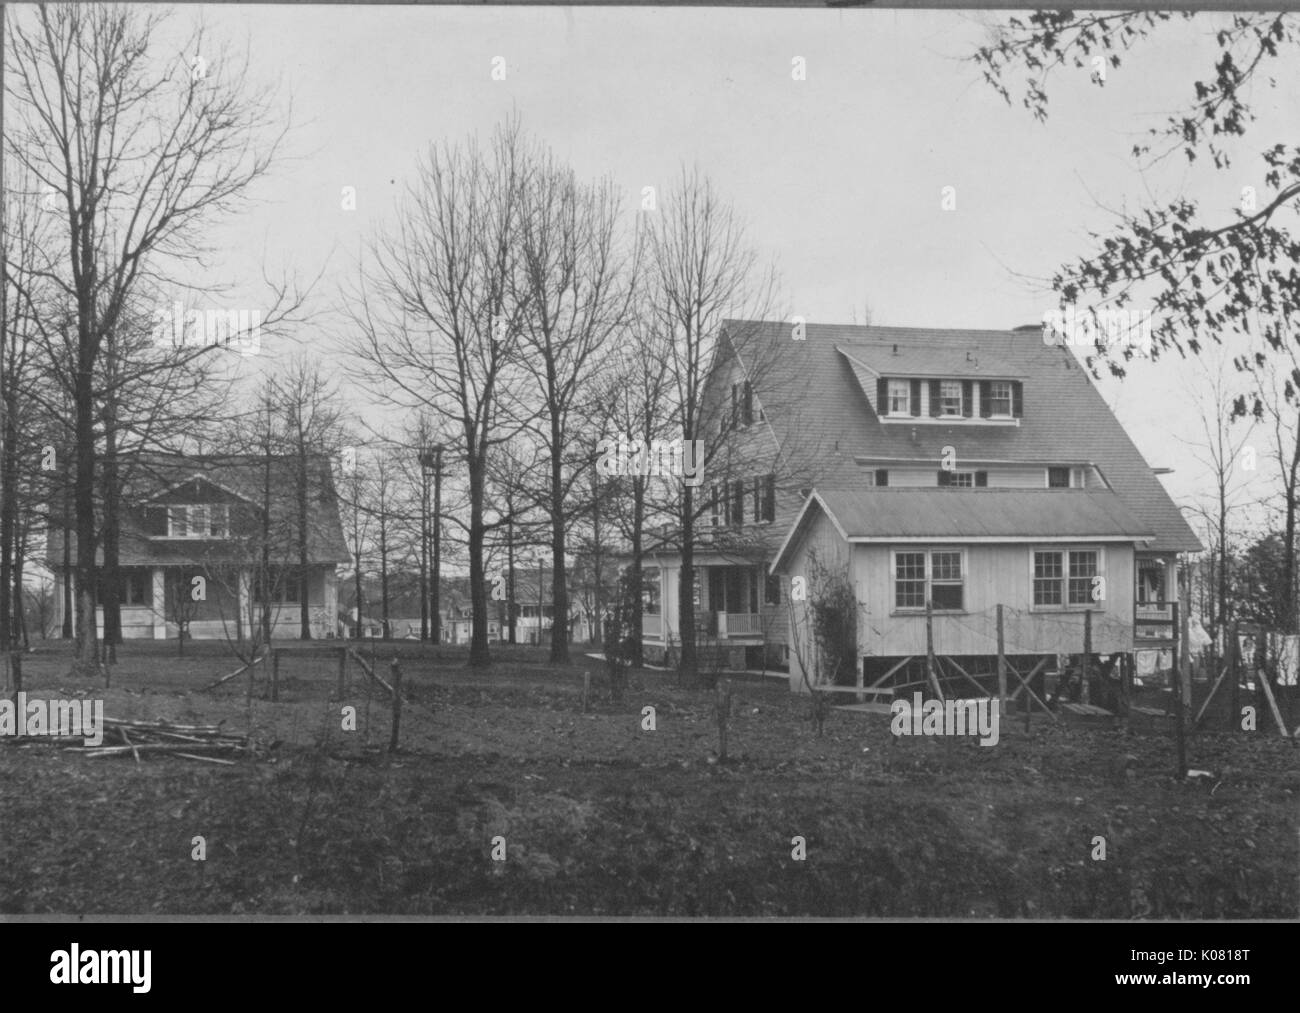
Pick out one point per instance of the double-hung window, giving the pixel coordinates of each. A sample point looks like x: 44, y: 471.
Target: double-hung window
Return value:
x: 1066, y: 577
x: 900, y: 397
x: 1000, y: 399
x: 936, y: 575
x: 950, y: 398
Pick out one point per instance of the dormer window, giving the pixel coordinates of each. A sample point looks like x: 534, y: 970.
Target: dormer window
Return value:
x: 950, y: 398
x: 1000, y: 399
x: 900, y: 397
x: 201, y: 520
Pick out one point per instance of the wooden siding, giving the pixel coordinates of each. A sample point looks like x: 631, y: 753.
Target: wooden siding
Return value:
x: 994, y: 574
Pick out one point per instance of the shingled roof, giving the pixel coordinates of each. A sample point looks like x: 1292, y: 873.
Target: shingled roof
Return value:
x: 971, y: 515
x: 239, y: 476
x: 1065, y: 419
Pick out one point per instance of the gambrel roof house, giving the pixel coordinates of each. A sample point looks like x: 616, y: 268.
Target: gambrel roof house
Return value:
x: 184, y: 517
x: 966, y: 468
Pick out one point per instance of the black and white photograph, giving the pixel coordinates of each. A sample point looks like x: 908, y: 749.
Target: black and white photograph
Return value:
x: 650, y: 463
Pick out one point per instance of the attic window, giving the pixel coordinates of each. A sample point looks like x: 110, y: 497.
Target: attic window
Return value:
x: 900, y: 397
x: 1000, y: 399
x: 202, y: 520
x: 950, y: 398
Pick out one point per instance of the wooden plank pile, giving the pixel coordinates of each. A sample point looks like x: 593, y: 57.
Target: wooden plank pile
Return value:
x: 205, y: 743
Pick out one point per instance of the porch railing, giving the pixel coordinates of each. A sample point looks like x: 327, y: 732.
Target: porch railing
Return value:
x: 740, y: 624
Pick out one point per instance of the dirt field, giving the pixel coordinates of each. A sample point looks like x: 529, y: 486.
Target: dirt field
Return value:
x: 600, y: 816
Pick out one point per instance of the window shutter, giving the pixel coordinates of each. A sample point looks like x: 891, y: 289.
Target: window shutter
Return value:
x: 713, y: 505
x: 726, y: 505
x: 986, y: 399
x: 882, y: 476
x: 934, y: 398
x: 748, y: 408
x: 758, y: 499
x: 1017, y: 399
x: 967, y: 396
x: 945, y: 477
x: 882, y: 396
x: 769, y: 498
x: 735, y: 404
x: 916, y: 397
x: 981, y: 478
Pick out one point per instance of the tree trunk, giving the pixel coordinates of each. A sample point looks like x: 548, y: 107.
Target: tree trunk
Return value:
x: 87, y: 644
x: 479, y: 656
x: 511, y: 610
x: 686, y: 666
x: 638, y: 571
x: 598, y: 596
x: 8, y: 506
x: 559, y: 582
x: 383, y: 571
x: 111, y: 538
x: 304, y: 623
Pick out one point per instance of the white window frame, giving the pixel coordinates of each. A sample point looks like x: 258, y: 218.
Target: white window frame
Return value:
x: 928, y: 551
x: 969, y: 482
x: 184, y: 511
x: 198, y: 520
x: 218, y: 516
x: 893, y: 395
x: 994, y: 399
x: 945, y: 395
x: 1065, y: 604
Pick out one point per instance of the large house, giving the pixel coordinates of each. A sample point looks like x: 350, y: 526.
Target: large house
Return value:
x: 192, y: 535
x: 963, y: 469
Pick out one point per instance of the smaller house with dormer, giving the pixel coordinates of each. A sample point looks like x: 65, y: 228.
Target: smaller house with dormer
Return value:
x: 210, y: 547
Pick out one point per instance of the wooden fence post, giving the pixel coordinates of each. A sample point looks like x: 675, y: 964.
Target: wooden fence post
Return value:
x: 1179, y: 721
x: 929, y: 650
x: 723, y: 707
x: 1002, y: 668
x: 275, y: 677
x: 1126, y: 666
x: 1234, y: 663
x: 1085, y: 692
x: 396, y: 669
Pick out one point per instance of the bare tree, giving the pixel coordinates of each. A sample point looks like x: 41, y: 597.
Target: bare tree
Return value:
x: 438, y: 329
x: 139, y: 155
x: 701, y: 269
x: 1220, y: 449
x: 313, y: 427
x: 576, y: 282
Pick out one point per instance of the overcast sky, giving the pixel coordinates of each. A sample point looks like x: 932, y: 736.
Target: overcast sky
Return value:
x: 839, y: 175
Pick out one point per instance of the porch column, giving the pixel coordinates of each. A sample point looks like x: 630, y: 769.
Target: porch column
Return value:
x: 331, y: 604
x: 158, y: 603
